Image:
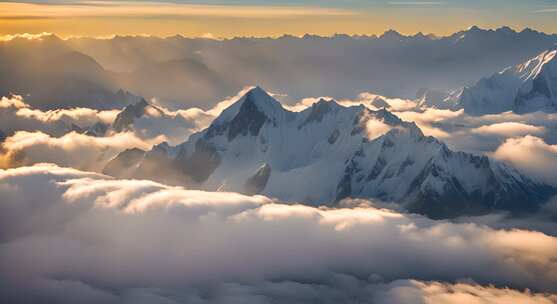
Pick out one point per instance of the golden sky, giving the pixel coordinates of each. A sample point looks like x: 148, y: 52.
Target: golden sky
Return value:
x: 272, y: 18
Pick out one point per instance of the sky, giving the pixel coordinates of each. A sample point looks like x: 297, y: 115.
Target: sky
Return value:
x: 225, y: 19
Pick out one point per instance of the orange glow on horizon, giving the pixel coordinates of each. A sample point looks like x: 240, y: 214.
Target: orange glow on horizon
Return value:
x: 106, y: 18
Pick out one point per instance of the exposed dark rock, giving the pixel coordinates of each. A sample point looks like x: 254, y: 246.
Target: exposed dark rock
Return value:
x: 249, y: 119
x: 124, y: 162
x: 76, y: 128
x: 99, y: 129
x: 256, y: 183
x: 127, y: 116
x: 201, y: 164
x: 318, y: 111
x: 380, y: 103
x: 377, y: 169
x: 344, y: 187
x: 333, y: 137
x: 407, y: 163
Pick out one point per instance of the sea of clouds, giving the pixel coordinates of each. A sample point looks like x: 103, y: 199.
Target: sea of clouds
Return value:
x: 68, y: 235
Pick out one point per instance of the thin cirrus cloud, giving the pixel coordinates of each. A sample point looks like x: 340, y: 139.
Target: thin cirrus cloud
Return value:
x: 415, y: 3
x: 138, y: 9
x: 546, y: 10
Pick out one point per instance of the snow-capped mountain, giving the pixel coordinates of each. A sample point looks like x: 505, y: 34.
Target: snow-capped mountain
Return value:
x: 328, y: 152
x: 527, y: 87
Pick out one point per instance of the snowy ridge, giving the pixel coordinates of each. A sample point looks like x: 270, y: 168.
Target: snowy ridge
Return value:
x: 328, y: 152
x: 527, y: 87
x: 263, y: 101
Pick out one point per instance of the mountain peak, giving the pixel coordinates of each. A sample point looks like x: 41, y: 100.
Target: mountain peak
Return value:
x: 505, y: 30
x: 262, y: 100
x: 256, y: 97
x: 125, y: 97
x: 528, y: 30
x: 258, y: 92
x: 130, y: 112
x: 391, y: 34
x: 474, y: 29
x: 247, y: 115
x: 322, y: 102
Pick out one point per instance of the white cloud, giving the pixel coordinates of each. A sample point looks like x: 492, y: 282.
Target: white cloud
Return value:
x: 532, y: 155
x: 72, y: 149
x: 434, y: 292
x: 367, y: 99
x: 376, y: 128
x: 16, y: 115
x: 175, y: 126
x: 26, y: 36
x: 67, y: 234
x: 509, y: 129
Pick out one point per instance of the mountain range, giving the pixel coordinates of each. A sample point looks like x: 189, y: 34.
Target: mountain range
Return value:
x: 183, y: 72
x: 329, y: 152
x: 51, y: 75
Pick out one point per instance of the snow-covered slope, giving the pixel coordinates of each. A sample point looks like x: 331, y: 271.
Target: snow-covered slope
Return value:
x: 527, y: 87
x: 328, y: 152
x: 539, y: 90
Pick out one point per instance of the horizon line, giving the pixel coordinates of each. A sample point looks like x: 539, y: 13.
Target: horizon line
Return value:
x: 209, y: 36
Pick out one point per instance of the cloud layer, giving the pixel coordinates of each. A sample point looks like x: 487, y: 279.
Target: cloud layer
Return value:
x: 16, y: 115
x: 57, y: 136
x: 72, y: 149
x: 532, y: 155
x: 68, y: 235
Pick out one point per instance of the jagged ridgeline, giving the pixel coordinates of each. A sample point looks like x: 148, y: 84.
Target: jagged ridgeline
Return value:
x: 329, y: 152
x: 527, y: 87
